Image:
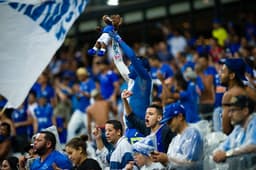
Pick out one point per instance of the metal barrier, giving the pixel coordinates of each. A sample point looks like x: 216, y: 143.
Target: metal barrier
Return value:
x: 242, y: 162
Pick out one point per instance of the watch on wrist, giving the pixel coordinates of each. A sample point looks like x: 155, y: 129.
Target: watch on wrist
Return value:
x: 229, y: 153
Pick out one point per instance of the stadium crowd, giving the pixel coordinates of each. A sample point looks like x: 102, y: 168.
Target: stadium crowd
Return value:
x: 188, y: 101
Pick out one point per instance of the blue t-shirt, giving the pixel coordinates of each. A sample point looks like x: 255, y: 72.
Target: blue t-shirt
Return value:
x: 165, y: 69
x: 189, y: 99
x: 84, y: 101
x: 107, y: 81
x: 61, y: 161
x: 44, y: 116
x: 48, y: 91
x: 20, y: 115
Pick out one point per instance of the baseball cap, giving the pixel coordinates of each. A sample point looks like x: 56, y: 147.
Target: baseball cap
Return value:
x: 236, y: 65
x: 144, y: 146
x: 241, y: 101
x: 82, y: 71
x: 172, y: 110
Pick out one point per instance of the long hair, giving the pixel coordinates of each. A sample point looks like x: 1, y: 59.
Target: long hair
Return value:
x: 78, y: 142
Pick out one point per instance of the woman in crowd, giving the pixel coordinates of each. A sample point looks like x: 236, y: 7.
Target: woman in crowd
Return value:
x: 10, y: 163
x: 76, y: 149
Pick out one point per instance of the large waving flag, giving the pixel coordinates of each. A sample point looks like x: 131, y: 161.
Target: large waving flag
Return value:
x: 31, y: 31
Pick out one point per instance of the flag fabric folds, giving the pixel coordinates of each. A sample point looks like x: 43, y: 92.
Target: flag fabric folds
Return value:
x: 31, y: 31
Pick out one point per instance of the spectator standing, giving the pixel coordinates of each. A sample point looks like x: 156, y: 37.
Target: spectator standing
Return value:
x: 139, y: 83
x: 43, y: 88
x: 99, y: 112
x: 219, y: 32
x: 151, y: 125
x: 207, y: 74
x: 23, y: 121
x: 43, y: 114
x: 78, y: 119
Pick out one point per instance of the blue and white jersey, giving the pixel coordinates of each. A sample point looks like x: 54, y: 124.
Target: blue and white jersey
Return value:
x: 44, y: 115
x: 61, y: 161
x: 119, y: 157
x: 186, y: 146
x: 240, y: 136
x: 84, y: 101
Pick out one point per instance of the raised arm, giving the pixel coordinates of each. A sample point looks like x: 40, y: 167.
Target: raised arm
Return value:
x: 130, y: 54
x: 135, y: 121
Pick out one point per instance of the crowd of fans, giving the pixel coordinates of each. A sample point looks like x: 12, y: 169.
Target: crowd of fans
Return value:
x: 148, y: 121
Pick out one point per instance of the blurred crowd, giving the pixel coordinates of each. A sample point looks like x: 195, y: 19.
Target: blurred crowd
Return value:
x: 199, y: 86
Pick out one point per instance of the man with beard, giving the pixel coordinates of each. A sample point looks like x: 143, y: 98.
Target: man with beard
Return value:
x: 232, y: 76
x: 242, y: 139
x: 151, y: 125
x: 49, y: 158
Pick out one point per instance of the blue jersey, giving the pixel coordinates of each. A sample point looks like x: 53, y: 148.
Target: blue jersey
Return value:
x: 84, y: 101
x: 141, y: 86
x: 189, y: 99
x: 61, y: 161
x: 20, y: 115
x: 48, y: 91
x: 107, y: 81
x: 44, y: 116
x: 165, y: 69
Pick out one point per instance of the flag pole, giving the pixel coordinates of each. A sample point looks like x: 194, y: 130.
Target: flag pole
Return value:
x: 2, y: 110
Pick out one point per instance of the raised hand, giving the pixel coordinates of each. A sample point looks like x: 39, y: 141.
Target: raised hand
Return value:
x: 97, y: 133
x: 113, y: 34
x: 125, y: 94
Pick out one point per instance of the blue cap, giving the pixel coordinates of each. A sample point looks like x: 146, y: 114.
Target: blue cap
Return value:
x: 171, y: 111
x: 238, y: 66
x: 144, y: 146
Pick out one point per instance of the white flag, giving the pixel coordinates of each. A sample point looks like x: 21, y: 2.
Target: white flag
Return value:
x: 31, y: 31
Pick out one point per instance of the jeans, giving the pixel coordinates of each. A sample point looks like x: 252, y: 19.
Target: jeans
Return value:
x: 77, y: 124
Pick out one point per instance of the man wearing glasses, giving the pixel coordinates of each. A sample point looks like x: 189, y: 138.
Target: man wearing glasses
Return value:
x: 242, y: 139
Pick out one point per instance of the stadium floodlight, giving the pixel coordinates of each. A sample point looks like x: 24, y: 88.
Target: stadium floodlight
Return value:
x: 113, y: 2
